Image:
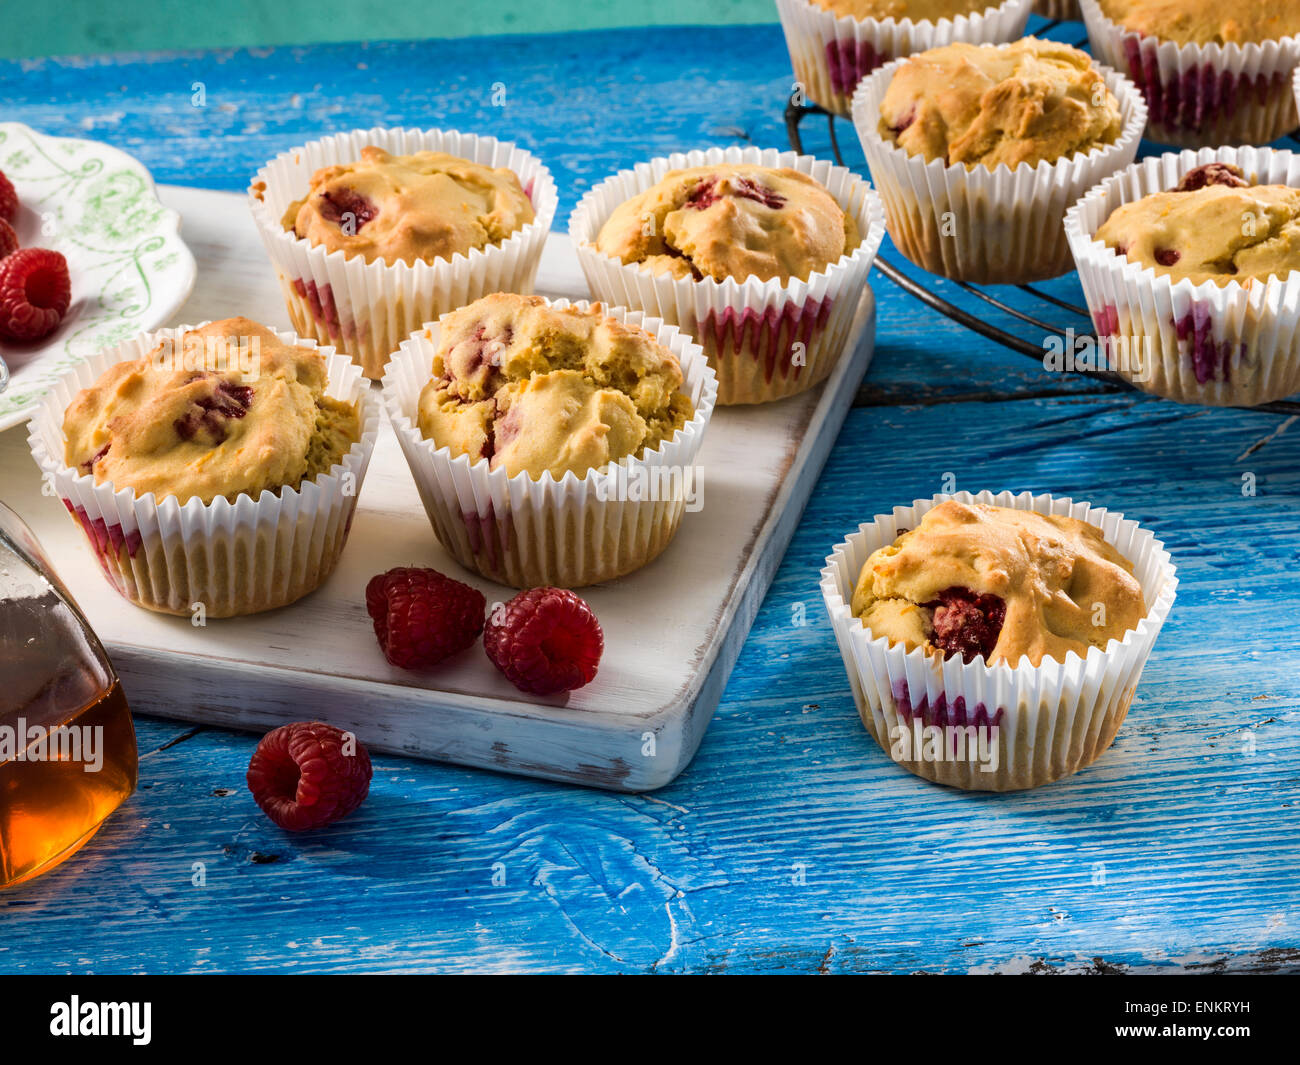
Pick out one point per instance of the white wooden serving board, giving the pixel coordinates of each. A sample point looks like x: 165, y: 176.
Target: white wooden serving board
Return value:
x: 673, y: 630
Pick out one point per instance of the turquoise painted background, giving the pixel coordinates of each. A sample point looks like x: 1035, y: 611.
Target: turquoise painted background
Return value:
x: 84, y: 27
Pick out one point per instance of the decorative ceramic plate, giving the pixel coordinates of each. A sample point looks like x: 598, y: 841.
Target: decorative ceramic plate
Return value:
x: 130, y: 270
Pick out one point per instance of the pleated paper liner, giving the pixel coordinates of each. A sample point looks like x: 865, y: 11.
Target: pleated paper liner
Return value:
x: 233, y: 558
x: 766, y: 340
x: 1041, y: 722
x: 368, y: 309
x: 568, y: 532
x: 1203, y: 95
x: 980, y: 225
x: 832, y: 53
x: 1063, y: 10
x: 1235, y: 344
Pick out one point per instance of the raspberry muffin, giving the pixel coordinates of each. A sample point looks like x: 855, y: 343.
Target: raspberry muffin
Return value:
x: 978, y: 151
x: 552, y: 443
x: 760, y: 255
x: 834, y: 44
x: 1212, y: 73
x: 217, y: 465
x: 535, y: 389
x: 1012, y: 627
x: 1190, y: 265
x: 376, y: 231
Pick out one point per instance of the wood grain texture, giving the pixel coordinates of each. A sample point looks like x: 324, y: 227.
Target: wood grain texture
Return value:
x: 1178, y: 850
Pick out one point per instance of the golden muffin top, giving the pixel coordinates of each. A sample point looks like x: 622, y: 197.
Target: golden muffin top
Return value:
x: 532, y: 388
x: 1027, y: 102
x: 1207, y: 21
x: 1213, y: 226
x: 228, y: 409
x: 407, y: 208
x: 731, y: 220
x: 973, y: 579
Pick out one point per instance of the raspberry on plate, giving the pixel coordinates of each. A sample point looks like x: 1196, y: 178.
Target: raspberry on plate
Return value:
x: 34, y: 293
x: 8, y: 199
x: 422, y: 616
x: 8, y: 239
x: 308, y: 774
x: 545, y: 640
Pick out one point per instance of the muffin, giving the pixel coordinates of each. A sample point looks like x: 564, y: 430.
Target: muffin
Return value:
x: 374, y: 232
x: 834, y: 44
x: 761, y: 256
x: 1011, y: 626
x: 552, y: 443
x: 978, y: 151
x: 1190, y: 265
x: 1212, y: 73
x: 215, y: 465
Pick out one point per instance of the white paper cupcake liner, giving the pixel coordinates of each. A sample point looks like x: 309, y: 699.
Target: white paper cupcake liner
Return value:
x: 233, y: 558
x: 1064, y: 10
x: 1051, y: 720
x: 1235, y: 344
x: 765, y: 339
x: 368, y: 309
x: 1000, y: 226
x: 568, y: 532
x: 831, y: 53
x: 1203, y: 94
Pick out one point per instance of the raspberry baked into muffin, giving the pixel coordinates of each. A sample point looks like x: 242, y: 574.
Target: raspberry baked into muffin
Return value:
x: 1006, y: 585
x: 535, y: 389
x: 552, y: 443
x: 1212, y: 73
x: 731, y: 221
x: 375, y: 232
x: 1190, y: 265
x: 834, y: 44
x: 978, y: 151
x: 215, y: 466
x: 759, y: 255
x: 403, y: 208
x: 995, y: 642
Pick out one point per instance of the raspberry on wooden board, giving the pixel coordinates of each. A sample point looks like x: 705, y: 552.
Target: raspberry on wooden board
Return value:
x: 422, y: 616
x: 545, y: 640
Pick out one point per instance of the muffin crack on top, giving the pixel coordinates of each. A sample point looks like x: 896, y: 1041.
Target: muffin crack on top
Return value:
x: 975, y: 579
x: 1214, y: 225
x: 227, y: 409
x: 912, y: 10
x: 1024, y: 103
x: 409, y: 208
x: 532, y: 388
x: 731, y: 220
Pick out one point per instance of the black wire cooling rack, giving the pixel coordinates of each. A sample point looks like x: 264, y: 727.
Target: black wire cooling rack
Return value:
x: 796, y: 113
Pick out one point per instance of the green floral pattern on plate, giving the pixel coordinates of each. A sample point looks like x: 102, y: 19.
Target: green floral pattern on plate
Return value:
x: 130, y: 269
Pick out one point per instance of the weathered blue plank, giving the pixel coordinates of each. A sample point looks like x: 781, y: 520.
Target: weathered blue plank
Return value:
x: 1181, y: 846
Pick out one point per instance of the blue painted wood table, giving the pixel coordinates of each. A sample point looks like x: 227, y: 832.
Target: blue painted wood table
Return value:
x: 791, y: 843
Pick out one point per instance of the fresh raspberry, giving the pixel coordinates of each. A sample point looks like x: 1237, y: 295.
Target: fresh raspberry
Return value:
x: 34, y: 293
x: 967, y: 623
x: 8, y: 239
x: 8, y: 199
x: 308, y: 774
x: 546, y: 640
x: 422, y: 616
